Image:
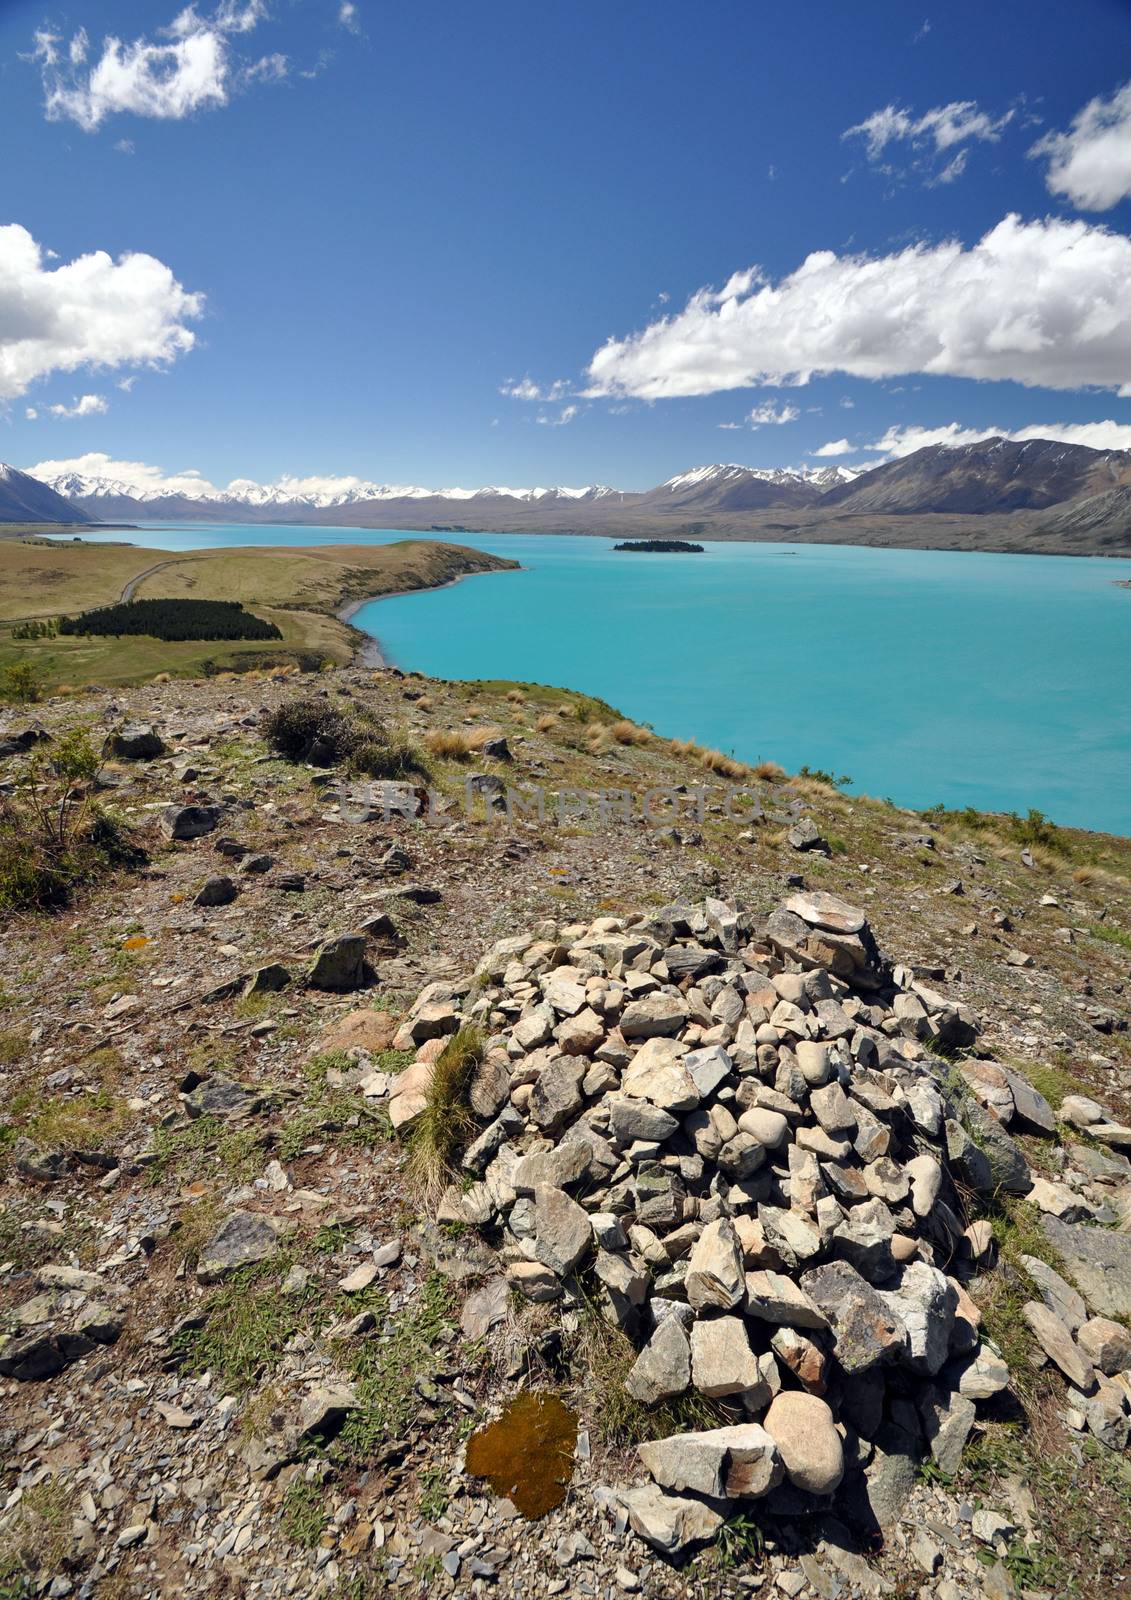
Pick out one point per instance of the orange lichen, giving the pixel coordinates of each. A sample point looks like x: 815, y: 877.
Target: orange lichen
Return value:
x: 527, y: 1455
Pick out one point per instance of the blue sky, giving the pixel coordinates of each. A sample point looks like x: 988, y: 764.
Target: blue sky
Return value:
x: 373, y: 219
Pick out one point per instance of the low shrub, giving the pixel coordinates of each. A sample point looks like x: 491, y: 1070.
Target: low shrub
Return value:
x: 53, y: 834
x: 19, y: 684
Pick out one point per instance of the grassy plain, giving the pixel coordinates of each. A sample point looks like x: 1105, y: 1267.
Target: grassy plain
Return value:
x: 298, y: 589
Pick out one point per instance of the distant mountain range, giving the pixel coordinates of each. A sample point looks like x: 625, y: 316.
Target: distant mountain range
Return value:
x: 722, y: 487
x: 1087, y: 491
x: 25, y: 499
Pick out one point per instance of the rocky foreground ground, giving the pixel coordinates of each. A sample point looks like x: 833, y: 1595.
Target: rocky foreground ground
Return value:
x: 810, y: 1126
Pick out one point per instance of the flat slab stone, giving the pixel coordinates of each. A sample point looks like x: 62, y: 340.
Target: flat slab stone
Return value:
x: 1099, y: 1261
x: 822, y: 910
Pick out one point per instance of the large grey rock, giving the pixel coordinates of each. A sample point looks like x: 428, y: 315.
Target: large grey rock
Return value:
x: 624, y: 1286
x: 925, y: 1303
x: 947, y: 1421
x: 803, y: 1428
x: 1099, y: 1261
x: 339, y: 964
x: 241, y: 1240
x: 866, y: 1328
x: 1106, y: 1344
x: 555, y: 1097
x: 219, y: 890
x: 805, y: 835
x: 668, y: 1522
x: 720, y: 1462
x: 1058, y: 1344
x: 662, y: 1370
x: 822, y: 910
x: 658, y: 1074
x: 774, y: 1298
x: 34, y: 1356
x: 925, y: 1176
x: 864, y: 1238
x: 562, y: 1233
x: 979, y: 1374
x: 716, y: 1277
x: 1008, y: 1168
x: 1029, y: 1106
x: 631, y: 1119
x: 969, y: 1164
x: 136, y: 741
x: 722, y: 1362
x: 708, y: 1069
x: 190, y: 822
x: 559, y: 1167
x: 654, y: 1016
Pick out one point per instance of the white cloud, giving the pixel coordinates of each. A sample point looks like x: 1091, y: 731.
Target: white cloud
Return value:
x: 942, y: 126
x: 87, y: 405
x: 564, y: 416
x: 1091, y: 163
x: 31, y: 414
x: 836, y: 447
x: 190, y: 71
x: 766, y: 414
x: 126, y: 384
x: 527, y: 389
x: 1106, y: 435
x: 93, y: 312
x: 769, y: 414
x: 347, y: 15
x: 130, y: 474
x: 1038, y: 303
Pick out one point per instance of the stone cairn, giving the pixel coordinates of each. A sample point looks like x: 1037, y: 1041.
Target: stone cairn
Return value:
x: 741, y: 1139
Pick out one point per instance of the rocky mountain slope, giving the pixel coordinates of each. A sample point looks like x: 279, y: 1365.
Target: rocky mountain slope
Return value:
x: 1096, y: 518
x: 992, y: 476
x: 247, y: 1339
x: 25, y: 499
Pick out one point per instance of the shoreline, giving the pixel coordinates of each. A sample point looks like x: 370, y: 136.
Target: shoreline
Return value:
x: 370, y: 654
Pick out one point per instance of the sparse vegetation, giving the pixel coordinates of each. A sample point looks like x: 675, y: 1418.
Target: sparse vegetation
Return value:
x: 247, y: 1324
x: 53, y: 834
x: 386, y: 1369
x: 303, y: 1514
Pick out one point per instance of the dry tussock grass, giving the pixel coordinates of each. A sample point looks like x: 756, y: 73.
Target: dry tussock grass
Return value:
x: 456, y: 744
x: 547, y: 722
x: 625, y: 732
x: 715, y: 761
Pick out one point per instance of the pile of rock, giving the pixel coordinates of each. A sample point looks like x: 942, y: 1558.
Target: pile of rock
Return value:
x: 740, y: 1137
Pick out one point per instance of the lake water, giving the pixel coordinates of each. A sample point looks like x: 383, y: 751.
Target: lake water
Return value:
x: 1002, y: 682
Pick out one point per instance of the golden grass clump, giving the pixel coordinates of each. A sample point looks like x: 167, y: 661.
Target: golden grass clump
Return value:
x: 449, y: 743
x: 625, y: 732
x: 446, y: 1123
x: 456, y: 744
x: 715, y: 761
x: 516, y: 697
x: 547, y: 722
x: 769, y: 772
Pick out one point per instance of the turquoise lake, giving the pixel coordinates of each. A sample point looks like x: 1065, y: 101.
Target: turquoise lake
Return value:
x: 1002, y: 682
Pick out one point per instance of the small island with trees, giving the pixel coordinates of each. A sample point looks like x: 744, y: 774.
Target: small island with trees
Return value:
x: 662, y: 546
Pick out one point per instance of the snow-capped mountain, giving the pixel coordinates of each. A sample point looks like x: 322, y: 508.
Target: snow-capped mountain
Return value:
x: 730, y: 472
x: 298, y: 492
